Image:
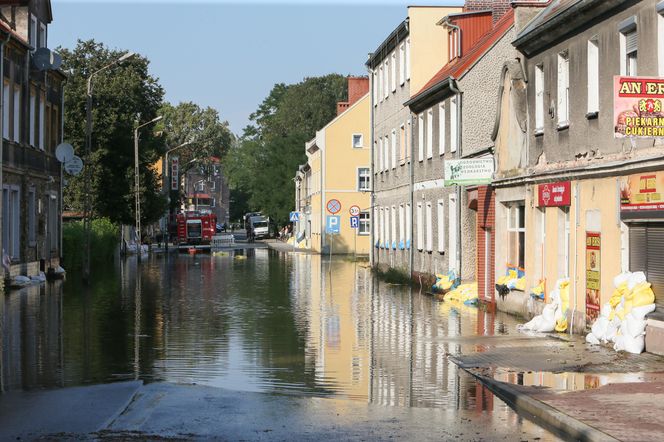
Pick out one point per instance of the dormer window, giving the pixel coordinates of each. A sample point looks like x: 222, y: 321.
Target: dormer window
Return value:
x: 33, y: 31
x: 455, y: 44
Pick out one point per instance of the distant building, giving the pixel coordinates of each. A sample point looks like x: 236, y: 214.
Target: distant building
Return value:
x: 31, y: 129
x: 204, y: 189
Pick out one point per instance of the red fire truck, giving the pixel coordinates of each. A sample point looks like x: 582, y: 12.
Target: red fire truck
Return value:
x: 196, y: 228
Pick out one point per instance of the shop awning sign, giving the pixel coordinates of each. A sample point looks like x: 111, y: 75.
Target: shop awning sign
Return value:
x: 554, y: 194
x: 642, y: 193
x: 638, y: 107
x: 469, y: 172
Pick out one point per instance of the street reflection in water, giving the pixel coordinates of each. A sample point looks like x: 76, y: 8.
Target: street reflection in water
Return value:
x: 285, y: 323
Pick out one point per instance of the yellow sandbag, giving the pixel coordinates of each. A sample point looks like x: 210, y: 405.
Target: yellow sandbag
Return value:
x: 521, y: 284
x: 561, y: 325
x: 643, y: 297
x: 628, y: 307
x: 621, y: 314
x: 614, y: 301
x: 612, y: 315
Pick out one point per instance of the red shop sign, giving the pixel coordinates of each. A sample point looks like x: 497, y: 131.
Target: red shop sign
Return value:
x: 554, y: 194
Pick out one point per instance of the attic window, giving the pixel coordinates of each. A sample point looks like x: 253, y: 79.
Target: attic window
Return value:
x: 455, y: 44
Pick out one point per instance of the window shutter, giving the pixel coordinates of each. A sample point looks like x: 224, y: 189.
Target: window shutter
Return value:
x: 654, y: 262
x: 631, y: 42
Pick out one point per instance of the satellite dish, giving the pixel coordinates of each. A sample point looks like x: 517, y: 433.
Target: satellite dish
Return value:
x: 56, y: 60
x: 74, y: 166
x: 44, y: 59
x: 64, y: 152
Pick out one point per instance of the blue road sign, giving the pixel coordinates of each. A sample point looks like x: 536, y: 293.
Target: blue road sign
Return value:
x: 333, y: 224
x: 354, y: 222
x: 294, y: 217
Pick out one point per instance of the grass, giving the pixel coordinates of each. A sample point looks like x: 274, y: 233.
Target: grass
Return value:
x: 104, y: 239
x: 393, y: 276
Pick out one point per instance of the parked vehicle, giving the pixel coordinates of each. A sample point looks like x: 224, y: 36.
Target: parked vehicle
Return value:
x: 260, y: 227
x: 195, y: 227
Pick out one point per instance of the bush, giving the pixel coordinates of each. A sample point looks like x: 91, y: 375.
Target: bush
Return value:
x: 104, y: 239
x: 393, y: 276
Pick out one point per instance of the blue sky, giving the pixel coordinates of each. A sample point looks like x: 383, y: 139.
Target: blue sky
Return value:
x: 228, y: 55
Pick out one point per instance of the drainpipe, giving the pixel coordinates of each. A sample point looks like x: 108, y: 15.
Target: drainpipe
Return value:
x: 372, y: 197
x: 459, y: 114
x: 2, y: 129
x: 62, y: 140
x: 411, y: 172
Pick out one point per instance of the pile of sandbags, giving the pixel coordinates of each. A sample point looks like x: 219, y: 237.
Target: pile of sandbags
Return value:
x: 538, y: 291
x: 514, y: 279
x: 445, y: 283
x: 554, y: 315
x: 465, y: 293
x: 622, y: 319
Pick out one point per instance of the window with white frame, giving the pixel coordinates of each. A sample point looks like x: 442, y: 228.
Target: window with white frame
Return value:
x: 441, y: 128
x: 394, y: 148
x: 393, y: 73
x: 408, y: 59
x: 409, y: 144
x: 386, y: 79
x: 593, y: 75
x: 42, y: 35
x: 454, y: 114
x: 5, y: 113
x: 393, y: 227
x: 32, y: 217
x: 358, y: 141
x: 563, y: 88
x: 42, y: 104
x: 563, y: 242
x: 440, y: 216
x: 516, y: 233
x: 376, y: 224
x: 387, y: 227
x: 409, y: 225
x: 402, y: 226
x: 386, y: 151
x: 379, y: 152
x: 363, y: 179
x: 539, y: 97
x: 453, y: 39
x: 429, y: 133
x: 33, y: 116
x: 420, y: 137
x: 374, y: 86
x: 365, y: 224
x: 382, y: 226
x: 402, y: 64
x: 17, y: 114
x: 33, y: 31
x: 402, y: 144
x: 629, y: 40
x: 380, y: 83
x: 11, y: 221
x: 429, y: 223
x: 420, y: 227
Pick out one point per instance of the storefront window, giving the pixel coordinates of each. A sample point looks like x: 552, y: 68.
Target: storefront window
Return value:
x: 516, y: 234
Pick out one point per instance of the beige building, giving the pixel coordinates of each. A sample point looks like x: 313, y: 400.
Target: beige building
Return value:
x: 337, y: 172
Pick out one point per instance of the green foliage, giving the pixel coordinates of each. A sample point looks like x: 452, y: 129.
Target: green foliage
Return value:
x: 122, y: 96
x: 104, y: 238
x: 392, y: 276
x: 264, y: 161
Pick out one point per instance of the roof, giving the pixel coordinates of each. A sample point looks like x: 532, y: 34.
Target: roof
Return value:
x: 7, y: 30
x: 399, y: 33
x: 554, y: 8
x: 459, y: 66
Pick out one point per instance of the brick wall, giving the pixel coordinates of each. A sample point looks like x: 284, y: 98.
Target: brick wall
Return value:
x: 357, y: 88
x: 486, y: 214
x: 499, y: 7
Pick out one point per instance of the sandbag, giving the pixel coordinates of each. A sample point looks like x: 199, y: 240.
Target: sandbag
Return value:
x: 592, y: 339
x: 605, y: 311
x: 621, y: 279
x: 634, y: 345
x: 619, y: 344
x: 611, y: 332
x: 643, y: 297
x: 599, y: 328
x: 635, y: 279
x: 633, y: 327
x: 641, y: 311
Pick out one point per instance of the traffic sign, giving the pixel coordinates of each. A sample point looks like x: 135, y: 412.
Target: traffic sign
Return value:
x: 333, y: 206
x: 294, y: 217
x: 354, y: 222
x: 333, y: 224
x: 354, y: 211
x: 74, y: 166
x: 64, y: 152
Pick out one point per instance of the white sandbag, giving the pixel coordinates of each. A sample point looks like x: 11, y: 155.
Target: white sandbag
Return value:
x: 619, y: 345
x: 599, y: 328
x: 633, y: 327
x: 634, y: 345
x: 635, y: 279
x: 605, y: 310
x: 533, y: 324
x: 641, y: 311
x: 546, y: 326
x: 611, y: 331
x: 592, y: 339
x: 621, y: 279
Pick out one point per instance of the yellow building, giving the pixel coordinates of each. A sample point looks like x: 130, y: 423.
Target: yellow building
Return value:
x: 337, y: 172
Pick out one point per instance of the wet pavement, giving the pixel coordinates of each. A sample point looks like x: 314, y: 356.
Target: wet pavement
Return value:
x: 323, y: 337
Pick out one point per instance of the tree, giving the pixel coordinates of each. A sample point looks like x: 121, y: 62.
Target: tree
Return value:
x: 122, y: 96
x: 264, y: 161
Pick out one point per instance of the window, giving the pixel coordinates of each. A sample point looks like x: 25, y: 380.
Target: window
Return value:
x: 382, y: 227
x: 441, y: 226
x: 402, y: 64
x: 441, y: 128
x: 394, y: 148
x: 402, y: 226
x: 11, y: 221
x: 380, y: 155
x: 380, y: 83
x: 42, y: 35
x: 17, y: 114
x: 5, y: 114
x: 452, y: 232
x: 409, y: 225
x: 420, y: 227
x: 629, y: 39
x: 593, y: 75
x: 409, y: 144
x: 393, y: 227
x: 33, y: 31
x: 394, y: 72
x: 420, y: 137
x: 408, y: 59
x: 429, y: 223
x: 453, y: 124
x: 386, y: 79
x: 363, y: 179
x: 516, y: 234
x: 32, y: 217
x: 539, y: 98
x: 563, y: 88
x: 430, y: 133
x: 375, y: 228
x: 402, y: 144
x: 365, y: 224
x: 454, y: 44
x: 563, y: 242
x: 358, y: 141
x: 374, y: 87
x: 200, y: 187
x: 33, y: 116
x: 386, y: 152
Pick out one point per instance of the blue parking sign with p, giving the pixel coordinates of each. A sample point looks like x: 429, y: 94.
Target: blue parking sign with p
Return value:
x: 333, y: 224
x: 354, y: 222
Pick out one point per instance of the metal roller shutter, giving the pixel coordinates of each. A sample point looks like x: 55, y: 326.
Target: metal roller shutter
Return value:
x: 646, y: 253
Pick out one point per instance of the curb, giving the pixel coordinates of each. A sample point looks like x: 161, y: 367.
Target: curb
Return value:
x: 137, y: 386
x: 543, y: 413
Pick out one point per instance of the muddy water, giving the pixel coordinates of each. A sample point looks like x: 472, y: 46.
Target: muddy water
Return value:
x: 276, y: 323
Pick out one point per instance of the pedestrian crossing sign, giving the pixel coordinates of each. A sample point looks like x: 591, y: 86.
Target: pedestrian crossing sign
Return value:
x: 294, y: 217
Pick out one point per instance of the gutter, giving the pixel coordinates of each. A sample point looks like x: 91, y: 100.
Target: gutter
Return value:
x: 372, y: 196
x: 2, y: 129
x: 459, y: 112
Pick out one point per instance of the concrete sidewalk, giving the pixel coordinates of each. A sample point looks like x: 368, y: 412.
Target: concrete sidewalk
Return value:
x: 588, y: 392
x: 284, y: 247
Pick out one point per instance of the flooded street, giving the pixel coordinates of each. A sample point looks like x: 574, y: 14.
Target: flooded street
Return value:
x: 266, y: 323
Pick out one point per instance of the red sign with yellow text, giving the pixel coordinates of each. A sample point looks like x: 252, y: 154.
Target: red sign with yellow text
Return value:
x: 642, y: 192
x: 554, y: 194
x: 638, y: 107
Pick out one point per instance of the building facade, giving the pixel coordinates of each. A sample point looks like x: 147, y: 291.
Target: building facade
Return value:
x: 205, y: 189
x: 338, y: 172
x: 32, y: 110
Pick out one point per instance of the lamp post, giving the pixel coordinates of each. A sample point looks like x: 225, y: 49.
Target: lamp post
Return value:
x: 87, y: 209
x: 137, y: 189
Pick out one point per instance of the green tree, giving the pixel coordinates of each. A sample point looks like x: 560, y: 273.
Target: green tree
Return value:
x: 123, y: 95
x: 264, y: 161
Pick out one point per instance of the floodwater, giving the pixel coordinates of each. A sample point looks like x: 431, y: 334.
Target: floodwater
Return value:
x: 274, y: 323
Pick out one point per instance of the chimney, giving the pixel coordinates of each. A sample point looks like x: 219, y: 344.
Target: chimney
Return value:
x: 499, y: 7
x: 357, y: 88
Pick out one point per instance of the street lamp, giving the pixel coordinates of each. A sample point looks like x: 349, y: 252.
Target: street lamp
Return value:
x: 87, y: 209
x: 137, y: 189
